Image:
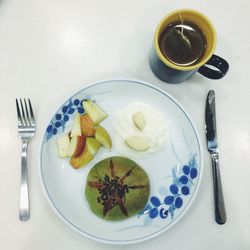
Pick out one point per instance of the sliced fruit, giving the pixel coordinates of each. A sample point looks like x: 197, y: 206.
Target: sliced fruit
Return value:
x: 93, y: 145
x: 138, y: 143
x: 87, y: 125
x: 103, y: 137
x: 96, y: 113
x: 76, y: 129
x: 82, y: 160
x: 139, y: 120
x: 63, y: 143
x: 77, y: 145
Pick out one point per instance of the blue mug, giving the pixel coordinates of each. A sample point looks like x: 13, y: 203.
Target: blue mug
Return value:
x: 169, y: 72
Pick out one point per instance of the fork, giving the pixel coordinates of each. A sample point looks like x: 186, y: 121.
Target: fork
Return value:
x: 26, y: 130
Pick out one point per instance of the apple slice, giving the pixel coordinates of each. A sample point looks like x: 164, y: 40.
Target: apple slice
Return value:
x: 76, y: 128
x: 87, y: 125
x: 139, y: 120
x: 77, y: 145
x: 137, y: 143
x: 96, y: 113
x: 103, y: 137
x: 93, y: 145
x: 63, y: 143
x: 82, y: 160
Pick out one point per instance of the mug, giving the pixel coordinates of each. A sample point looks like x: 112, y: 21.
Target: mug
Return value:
x: 169, y: 72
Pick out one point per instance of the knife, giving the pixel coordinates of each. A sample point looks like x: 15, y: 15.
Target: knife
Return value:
x: 212, y: 145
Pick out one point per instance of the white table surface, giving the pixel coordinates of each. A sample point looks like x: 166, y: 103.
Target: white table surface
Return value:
x: 50, y: 49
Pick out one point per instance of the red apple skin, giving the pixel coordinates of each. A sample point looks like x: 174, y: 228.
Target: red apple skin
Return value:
x: 87, y: 125
x: 80, y: 145
x: 82, y: 160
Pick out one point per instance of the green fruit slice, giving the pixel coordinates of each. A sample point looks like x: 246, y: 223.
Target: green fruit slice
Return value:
x: 96, y: 113
x: 93, y: 145
x: 103, y: 137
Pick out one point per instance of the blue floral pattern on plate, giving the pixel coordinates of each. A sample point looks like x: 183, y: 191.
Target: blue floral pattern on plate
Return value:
x: 57, y: 124
x: 180, y: 187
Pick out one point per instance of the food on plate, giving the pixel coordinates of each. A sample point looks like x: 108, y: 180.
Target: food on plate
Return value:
x: 117, y: 188
x: 85, y: 138
x: 140, y: 129
x: 77, y: 145
x: 76, y: 129
x: 138, y: 143
x: 93, y: 145
x: 63, y: 143
x: 87, y: 125
x: 96, y: 113
x: 139, y: 120
x: 82, y: 160
x: 103, y: 137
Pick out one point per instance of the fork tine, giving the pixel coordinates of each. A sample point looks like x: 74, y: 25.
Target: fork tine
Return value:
x: 27, y: 113
x: 19, y: 118
x: 23, y: 114
x: 32, y: 118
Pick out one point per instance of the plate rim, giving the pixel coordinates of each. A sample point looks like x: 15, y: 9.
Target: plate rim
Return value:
x: 153, y: 235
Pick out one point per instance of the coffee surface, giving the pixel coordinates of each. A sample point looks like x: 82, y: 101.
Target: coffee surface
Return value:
x: 182, y: 43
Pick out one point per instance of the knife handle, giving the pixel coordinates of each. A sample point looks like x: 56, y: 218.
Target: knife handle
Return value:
x: 220, y: 212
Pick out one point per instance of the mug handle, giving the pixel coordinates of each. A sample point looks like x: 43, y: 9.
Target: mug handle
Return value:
x: 218, y: 63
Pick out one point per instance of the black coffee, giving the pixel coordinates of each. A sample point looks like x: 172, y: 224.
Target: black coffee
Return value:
x: 183, y: 44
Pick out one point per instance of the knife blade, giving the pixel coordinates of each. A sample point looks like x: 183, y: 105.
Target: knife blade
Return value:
x: 212, y: 145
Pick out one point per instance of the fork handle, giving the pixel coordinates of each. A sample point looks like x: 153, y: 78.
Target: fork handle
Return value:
x: 24, y: 210
x: 220, y: 211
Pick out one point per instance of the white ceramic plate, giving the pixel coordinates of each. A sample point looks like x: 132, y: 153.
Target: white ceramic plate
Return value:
x: 174, y: 171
